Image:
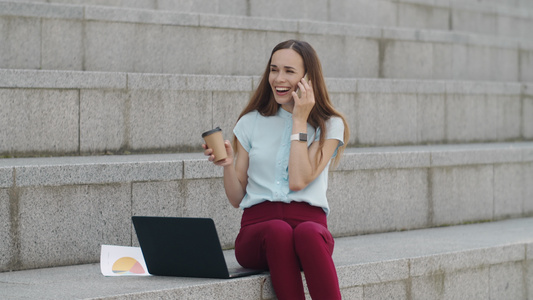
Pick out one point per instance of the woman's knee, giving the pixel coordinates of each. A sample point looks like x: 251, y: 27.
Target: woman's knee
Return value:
x: 256, y: 240
x: 311, y: 234
x: 278, y: 231
x: 272, y: 231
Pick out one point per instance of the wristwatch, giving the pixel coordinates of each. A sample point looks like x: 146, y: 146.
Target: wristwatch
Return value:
x: 302, y: 137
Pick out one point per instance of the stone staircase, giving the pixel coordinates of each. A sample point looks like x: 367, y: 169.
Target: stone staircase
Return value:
x: 103, y: 103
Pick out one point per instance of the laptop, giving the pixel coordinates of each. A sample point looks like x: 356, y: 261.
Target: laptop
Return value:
x: 184, y: 247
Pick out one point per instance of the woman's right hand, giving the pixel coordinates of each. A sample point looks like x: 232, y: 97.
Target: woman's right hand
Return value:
x: 224, y: 162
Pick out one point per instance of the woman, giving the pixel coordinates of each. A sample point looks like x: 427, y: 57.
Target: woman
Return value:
x: 284, y: 141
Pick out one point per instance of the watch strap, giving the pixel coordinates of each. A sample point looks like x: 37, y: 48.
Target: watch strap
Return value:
x: 302, y: 137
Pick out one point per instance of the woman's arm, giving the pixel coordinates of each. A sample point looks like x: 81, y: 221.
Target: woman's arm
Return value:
x: 235, y: 175
x: 303, y: 166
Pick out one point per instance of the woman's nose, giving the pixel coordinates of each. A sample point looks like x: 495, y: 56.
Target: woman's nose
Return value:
x: 280, y: 77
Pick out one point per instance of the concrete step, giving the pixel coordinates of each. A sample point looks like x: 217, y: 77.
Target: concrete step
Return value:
x: 503, y: 18
x: 57, y: 211
x: 480, y: 261
x: 521, y: 4
x: 98, y: 38
x: 78, y: 113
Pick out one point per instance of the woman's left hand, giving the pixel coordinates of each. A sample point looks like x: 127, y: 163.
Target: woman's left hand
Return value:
x: 304, y: 104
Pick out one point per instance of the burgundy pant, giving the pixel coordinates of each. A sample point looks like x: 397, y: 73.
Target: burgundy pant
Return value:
x: 286, y: 238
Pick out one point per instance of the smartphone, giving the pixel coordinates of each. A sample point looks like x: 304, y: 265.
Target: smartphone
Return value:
x: 300, y: 92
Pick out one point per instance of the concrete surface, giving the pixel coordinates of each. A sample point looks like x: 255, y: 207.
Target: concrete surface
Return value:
x: 480, y: 260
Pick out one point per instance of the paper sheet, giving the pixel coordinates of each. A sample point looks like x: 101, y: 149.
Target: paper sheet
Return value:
x: 122, y: 261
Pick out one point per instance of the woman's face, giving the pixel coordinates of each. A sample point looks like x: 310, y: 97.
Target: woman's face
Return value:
x: 286, y: 70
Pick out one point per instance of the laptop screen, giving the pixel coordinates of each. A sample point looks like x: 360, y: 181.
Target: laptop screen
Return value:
x: 187, y: 247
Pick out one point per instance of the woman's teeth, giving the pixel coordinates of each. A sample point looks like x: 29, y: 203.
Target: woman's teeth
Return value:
x: 282, y: 90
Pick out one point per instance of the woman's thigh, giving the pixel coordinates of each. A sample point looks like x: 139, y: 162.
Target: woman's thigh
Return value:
x: 257, y: 241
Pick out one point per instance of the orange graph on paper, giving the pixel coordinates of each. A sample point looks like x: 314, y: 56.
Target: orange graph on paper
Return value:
x: 127, y: 265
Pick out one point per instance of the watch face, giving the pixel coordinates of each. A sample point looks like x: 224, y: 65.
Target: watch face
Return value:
x: 303, y: 137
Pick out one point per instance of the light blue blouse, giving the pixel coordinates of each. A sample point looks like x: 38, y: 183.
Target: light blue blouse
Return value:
x: 267, y: 141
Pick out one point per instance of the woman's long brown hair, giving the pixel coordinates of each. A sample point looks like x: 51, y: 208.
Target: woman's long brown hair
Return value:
x: 263, y: 99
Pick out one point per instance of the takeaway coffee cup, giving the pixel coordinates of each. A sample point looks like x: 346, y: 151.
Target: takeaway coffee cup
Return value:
x: 214, y: 140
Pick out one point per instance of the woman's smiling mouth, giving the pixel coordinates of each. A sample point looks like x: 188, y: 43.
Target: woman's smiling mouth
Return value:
x: 282, y: 90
